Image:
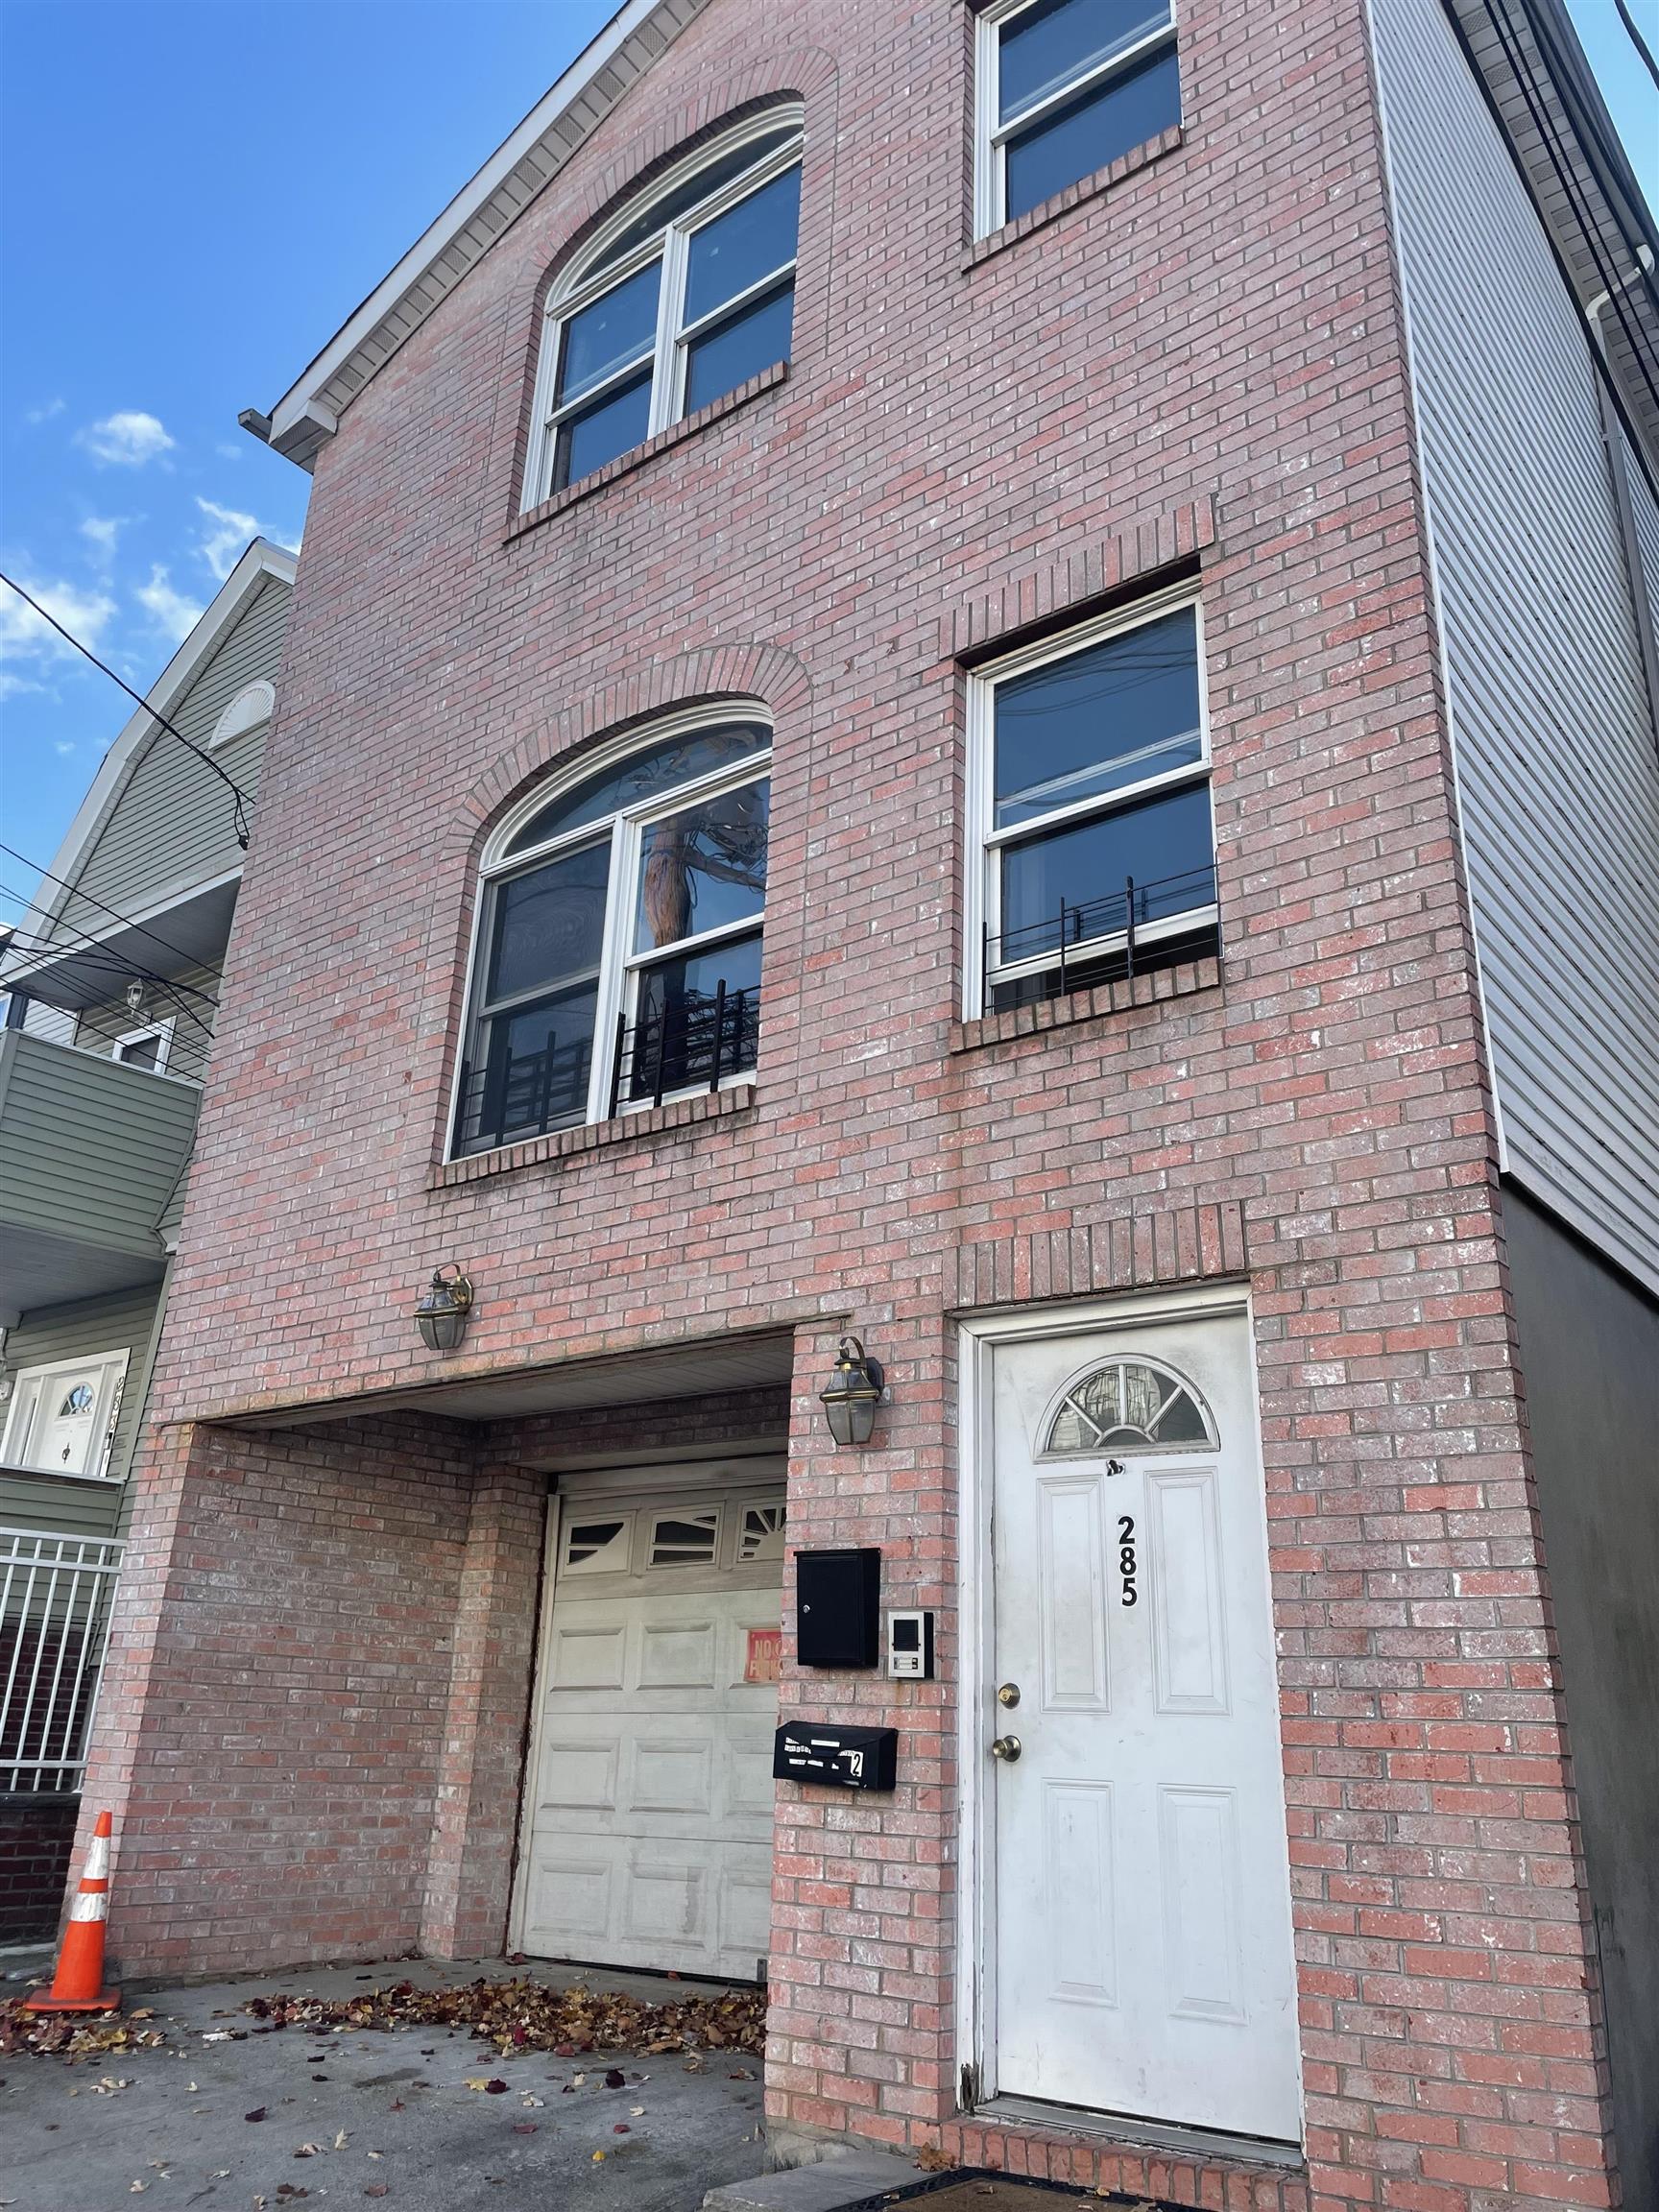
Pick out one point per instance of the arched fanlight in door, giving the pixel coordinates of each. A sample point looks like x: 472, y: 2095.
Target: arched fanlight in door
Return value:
x: 1129, y: 1405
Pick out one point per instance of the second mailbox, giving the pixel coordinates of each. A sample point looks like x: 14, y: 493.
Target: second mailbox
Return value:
x: 837, y: 1614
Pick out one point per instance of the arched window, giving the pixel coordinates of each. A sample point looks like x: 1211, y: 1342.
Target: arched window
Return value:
x: 251, y: 705
x: 687, y: 292
x: 1128, y: 1405
x: 618, y: 952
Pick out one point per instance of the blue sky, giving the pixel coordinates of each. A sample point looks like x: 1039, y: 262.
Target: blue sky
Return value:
x: 194, y: 194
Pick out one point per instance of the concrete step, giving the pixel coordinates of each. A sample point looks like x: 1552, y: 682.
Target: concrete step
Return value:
x: 827, y: 2187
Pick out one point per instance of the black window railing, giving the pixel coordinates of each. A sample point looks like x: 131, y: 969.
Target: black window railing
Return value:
x: 1123, y: 933
x: 517, y: 1095
x: 696, y: 1042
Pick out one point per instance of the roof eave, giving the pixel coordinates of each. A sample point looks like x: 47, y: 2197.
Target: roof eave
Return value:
x: 308, y: 415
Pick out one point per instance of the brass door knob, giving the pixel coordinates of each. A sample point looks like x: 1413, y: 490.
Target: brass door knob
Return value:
x: 1006, y: 1749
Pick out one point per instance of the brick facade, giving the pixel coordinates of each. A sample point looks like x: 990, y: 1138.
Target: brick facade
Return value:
x: 311, y: 1724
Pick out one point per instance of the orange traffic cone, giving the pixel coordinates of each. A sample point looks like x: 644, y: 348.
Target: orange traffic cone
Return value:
x: 77, y: 1986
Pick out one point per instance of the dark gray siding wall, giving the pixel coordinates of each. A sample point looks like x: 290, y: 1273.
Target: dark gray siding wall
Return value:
x: 51, y: 1332
x: 168, y: 824
x: 1590, y: 1358
x: 1559, y: 773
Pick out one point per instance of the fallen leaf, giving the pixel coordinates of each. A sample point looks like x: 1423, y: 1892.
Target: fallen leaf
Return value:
x: 616, y: 2079
x: 598, y: 2157
x: 340, y: 2140
x: 309, y: 2151
x: 637, y: 2111
x: 524, y: 2126
x: 378, y: 2189
x: 137, y: 2188
x: 621, y: 2129
x: 257, y: 2113
x: 495, y: 2088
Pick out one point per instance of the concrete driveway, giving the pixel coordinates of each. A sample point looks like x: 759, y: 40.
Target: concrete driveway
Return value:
x: 387, y: 2112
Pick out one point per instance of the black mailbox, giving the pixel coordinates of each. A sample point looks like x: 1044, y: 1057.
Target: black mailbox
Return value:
x: 841, y: 1758
x: 838, y: 1597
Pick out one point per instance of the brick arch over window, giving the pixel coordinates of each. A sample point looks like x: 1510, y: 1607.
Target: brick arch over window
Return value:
x: 767, y: 673
x: 805, y: 73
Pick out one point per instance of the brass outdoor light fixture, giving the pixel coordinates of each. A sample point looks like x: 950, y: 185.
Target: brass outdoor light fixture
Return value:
x: 441, y: 1314
x: 851, y: 1396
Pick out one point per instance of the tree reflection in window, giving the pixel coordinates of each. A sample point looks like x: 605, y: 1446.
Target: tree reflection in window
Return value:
x: 1129, y: 1405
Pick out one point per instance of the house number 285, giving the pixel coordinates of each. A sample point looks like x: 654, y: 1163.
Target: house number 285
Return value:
x: 1126, y: 1557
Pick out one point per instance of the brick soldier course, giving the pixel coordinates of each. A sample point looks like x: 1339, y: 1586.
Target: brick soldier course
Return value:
x: 312, y: 1723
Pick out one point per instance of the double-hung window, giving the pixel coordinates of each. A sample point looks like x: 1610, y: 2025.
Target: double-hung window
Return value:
x: 1092, y: 851
x: 678, y: 300
x: 1064, y: 89
x: 618, y: 952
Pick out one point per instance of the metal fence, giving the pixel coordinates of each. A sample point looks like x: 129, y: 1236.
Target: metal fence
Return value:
x: 55, y: 1595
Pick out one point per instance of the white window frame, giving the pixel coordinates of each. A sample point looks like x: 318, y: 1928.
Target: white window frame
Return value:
x: 991, y: 137
x: 163, y: 1030
x: 981, y: 904
x: 620, y: 966
x: 576, y: 291
x: 32, y: 1386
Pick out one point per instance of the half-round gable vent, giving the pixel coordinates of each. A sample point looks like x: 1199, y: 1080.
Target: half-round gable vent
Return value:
x: 251, y: 705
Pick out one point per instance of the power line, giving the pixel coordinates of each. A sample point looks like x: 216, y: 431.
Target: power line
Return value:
x: 95, y: 960
x: 104, y: 962
x: 1637, y: 40
x: 240, y: 815
x: 114, y: 912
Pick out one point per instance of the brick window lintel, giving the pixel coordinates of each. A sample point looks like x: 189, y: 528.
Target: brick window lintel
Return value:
x: 1168, y: 539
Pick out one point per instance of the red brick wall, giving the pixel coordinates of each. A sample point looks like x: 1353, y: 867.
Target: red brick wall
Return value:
x: 1205, y: 360
x: 280, y: 1669
x: 37, y: 1836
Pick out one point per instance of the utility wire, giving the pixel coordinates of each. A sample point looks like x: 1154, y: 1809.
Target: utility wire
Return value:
x: 103, y: 961
x: 95, y: 958
x: 114, y: 912
x: 1637, y: 40
x: 240, y: 815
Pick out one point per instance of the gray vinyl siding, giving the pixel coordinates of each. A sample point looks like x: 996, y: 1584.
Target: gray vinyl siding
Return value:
x: 50, y: 1022
x: 1645, y: 508
x: 1553, y: 736
x: 90, y: 1151
x: 88, y: 1330
x: 169, y: 823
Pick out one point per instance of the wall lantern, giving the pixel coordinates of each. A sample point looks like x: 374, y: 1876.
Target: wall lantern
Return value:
x: 441, y: 1314
x: 852, y: 1393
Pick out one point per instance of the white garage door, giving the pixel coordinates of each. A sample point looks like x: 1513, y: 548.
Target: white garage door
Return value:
x: 650, y: 1833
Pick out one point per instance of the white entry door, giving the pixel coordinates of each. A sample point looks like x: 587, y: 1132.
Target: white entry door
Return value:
x: 1143, y: 1948
x: 62, y: 1416
x: 650, y: 1823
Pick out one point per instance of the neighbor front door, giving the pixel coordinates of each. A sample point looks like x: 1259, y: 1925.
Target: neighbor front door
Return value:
x: 1143, y: 1951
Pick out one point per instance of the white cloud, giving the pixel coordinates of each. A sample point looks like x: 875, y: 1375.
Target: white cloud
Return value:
x: 25, y: 637
x: 63, y: 746
x: 127, y: 438
x: 227, y: 533
x: 100, y: 531
x: 10, y: 684
x: 168, y: 610
x: 45, y: 412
